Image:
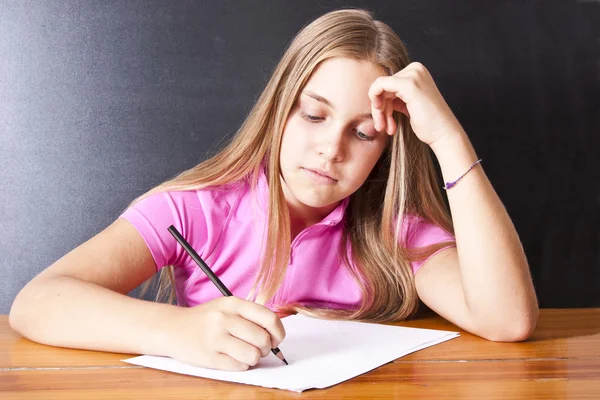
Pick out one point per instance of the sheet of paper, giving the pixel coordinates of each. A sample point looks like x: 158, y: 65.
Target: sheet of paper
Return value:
x: 321, y: 353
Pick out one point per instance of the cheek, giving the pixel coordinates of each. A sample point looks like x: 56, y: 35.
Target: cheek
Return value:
x: 294, y: 139
x: 364, y: 164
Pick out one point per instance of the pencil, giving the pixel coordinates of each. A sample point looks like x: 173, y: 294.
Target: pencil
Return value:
x: 211, y: 275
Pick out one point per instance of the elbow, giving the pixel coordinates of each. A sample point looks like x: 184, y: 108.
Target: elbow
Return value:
x: 22, y: 315
x: 14, y: 320
x: 517, y: 333
x: 17, y: 318
x: 517, y: 329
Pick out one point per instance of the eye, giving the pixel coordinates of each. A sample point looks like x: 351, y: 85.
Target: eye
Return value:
x: 363, y: 136
x: 310, y: 118
x: 314, y: 119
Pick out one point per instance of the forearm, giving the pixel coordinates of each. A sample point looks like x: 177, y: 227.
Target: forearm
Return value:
x: 495, y: 273
x: 67, y: 312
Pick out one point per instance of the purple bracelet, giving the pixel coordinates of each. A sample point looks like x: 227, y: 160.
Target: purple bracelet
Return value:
x: 450, y: 184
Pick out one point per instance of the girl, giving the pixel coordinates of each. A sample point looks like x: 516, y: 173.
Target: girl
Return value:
x: 325, y: 202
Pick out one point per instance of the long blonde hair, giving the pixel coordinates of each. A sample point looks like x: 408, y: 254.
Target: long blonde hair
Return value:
x: 403, y: 180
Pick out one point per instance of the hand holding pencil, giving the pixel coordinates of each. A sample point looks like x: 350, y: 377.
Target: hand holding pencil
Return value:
x: 234, y: 333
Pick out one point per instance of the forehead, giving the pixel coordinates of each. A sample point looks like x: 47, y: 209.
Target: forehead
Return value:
x: 344, y: 82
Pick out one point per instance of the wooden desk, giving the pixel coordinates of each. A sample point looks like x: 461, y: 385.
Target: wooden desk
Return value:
x: 560, y: 361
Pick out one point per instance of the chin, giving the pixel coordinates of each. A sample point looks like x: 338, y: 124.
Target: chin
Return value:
x: 312, y: 202
x: 308, y: 194
x: 315, y: 200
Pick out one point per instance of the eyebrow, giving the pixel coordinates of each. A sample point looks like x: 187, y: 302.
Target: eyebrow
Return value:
x: 328, y: 103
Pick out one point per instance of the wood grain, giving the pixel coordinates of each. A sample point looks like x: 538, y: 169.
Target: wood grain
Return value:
x: 561, y: 360
x: 425, y: 380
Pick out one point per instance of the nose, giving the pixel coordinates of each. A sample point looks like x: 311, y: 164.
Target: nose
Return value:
x: 331, y: 144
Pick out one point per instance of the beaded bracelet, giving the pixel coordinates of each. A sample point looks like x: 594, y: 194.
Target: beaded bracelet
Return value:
x: 450, y: 184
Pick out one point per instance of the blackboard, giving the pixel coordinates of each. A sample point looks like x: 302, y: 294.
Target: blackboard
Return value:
x: 100, y: 101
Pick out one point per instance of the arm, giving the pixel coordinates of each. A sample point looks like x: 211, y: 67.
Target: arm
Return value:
x: 80, y: 301
x: 483, y: 285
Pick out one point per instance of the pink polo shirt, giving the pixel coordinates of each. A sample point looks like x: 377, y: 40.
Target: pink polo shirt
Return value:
x: 226, y: 227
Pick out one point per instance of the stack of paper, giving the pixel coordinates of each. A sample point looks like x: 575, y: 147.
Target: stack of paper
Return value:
x: 320, y: 353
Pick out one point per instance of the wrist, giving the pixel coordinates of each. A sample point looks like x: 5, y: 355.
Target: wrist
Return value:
x: 449, y: 142
x: 160, y: 330
x: 454, y: 153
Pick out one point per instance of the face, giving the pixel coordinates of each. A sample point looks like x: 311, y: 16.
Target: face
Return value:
x: 329, y: 143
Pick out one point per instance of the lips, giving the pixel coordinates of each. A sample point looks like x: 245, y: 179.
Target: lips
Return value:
x: 322, y: 173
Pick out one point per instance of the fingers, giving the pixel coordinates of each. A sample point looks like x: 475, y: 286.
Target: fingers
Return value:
x: 239, y: 350
x: 227, y: 333
x: 377, y: 117
x: 390, y: 123
x: 388, y: 94
x: 252, y: 334
x: 382, y: 101
x: 259, y: 315
x: 383, y: 118
x: 384, y: 88
x: 227, y: 363
x: 399, y: 105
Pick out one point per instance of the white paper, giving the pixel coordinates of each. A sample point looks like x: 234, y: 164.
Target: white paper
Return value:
x: 321, y: 353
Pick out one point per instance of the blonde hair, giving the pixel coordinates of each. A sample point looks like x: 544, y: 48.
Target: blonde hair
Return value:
x: 403, y: 180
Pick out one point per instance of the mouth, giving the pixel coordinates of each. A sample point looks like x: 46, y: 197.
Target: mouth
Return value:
x: 319, y: 176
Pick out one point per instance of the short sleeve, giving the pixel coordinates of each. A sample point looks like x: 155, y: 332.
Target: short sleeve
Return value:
x: 153, y: 215
x: 422, y: 233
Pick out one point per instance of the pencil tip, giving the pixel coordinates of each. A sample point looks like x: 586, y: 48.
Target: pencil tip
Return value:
x: 279, y: 355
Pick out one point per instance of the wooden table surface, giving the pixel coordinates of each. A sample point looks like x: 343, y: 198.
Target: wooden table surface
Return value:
x: 560, y: 361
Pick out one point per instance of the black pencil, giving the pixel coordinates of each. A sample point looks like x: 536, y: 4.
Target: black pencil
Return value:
x: 211, y: 275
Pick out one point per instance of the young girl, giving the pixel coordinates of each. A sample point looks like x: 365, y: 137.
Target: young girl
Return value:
x: 326, y: 202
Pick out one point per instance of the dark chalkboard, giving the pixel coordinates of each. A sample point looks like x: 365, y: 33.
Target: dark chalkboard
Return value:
x: 100, y: 101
